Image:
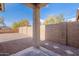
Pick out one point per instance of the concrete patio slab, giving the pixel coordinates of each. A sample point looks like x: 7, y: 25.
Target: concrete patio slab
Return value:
x: 60, y: 49
x: 35, y: 52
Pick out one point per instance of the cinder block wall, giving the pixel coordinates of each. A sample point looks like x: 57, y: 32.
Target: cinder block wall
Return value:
x: 73, y: 34
x: 63, y: 33
x: 56, y: 33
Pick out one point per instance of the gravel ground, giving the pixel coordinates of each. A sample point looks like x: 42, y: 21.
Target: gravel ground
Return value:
x: 12, y: 43
x: 11, y: 36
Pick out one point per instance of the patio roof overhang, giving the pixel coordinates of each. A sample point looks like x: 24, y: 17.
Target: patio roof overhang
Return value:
x: 40, y: 5
x: 1, y: 6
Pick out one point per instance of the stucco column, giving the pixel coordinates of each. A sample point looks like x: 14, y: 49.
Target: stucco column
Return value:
x: 36, y: 26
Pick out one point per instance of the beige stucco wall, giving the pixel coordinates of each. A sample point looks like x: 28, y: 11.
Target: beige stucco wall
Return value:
x: 26, y: 30
x: 23, y: 30
x: 29, y: 31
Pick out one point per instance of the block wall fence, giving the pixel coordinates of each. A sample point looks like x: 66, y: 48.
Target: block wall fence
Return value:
x: 64, y: 33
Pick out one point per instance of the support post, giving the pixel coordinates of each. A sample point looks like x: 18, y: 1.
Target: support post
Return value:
x: 36, y: 26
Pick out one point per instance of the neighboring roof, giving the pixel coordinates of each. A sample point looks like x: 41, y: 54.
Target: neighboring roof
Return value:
x: 5, y: 27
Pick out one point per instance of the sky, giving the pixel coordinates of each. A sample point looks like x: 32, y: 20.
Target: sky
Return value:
x: 17, y: 11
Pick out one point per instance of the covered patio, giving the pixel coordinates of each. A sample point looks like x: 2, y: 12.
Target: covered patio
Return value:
x: 36, y: 31
x: 35, y: 47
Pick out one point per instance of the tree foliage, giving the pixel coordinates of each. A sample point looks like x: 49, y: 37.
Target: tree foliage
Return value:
x: 20, y: 23
x: 54, y: 19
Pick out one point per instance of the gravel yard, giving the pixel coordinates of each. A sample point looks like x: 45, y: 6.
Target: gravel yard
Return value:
x: 11, y: 36
x: 13, y: 42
